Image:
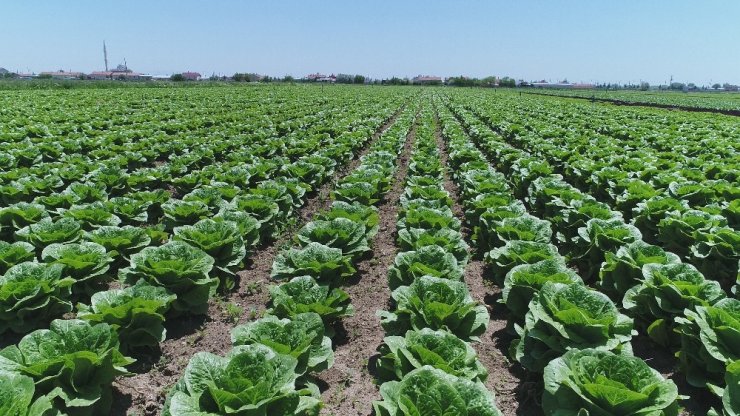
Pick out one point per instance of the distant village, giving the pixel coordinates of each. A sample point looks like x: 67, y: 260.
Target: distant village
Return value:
x: 123, y: 73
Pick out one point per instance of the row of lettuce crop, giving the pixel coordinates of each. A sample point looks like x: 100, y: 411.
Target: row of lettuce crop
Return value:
x: 269, y: 370
x: 573, y: 334
x: 74, y: 227
x: 669, y: 300
x: 426, y: 363
x: 677, y: 185
x: 707, y: 100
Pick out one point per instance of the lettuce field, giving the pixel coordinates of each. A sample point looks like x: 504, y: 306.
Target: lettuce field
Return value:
x: 396, y: 251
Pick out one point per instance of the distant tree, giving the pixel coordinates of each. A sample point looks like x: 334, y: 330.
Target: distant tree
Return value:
x: 359, y: 79
x: 488, y: 81
x: 44, y: 76
x: 729, y: 87
x: 177, y: 78
x: 716, y: 86
x: 396, y: 81
x: 507, y: 82
x: 288, y: 78
x: 677, y: 85
x: 644, y: 86
x: 463, y: 81
x: 691, y: 86
x: 266, y: 79
x: 344, y: 79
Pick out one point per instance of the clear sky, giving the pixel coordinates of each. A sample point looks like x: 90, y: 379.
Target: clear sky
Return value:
x: 581, y: 40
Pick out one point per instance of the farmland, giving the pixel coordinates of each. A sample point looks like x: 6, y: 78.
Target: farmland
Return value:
x: 366, y: 250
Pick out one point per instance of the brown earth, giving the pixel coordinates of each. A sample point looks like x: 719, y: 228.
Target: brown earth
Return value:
x: 144, y: 393
x: 350, y: 384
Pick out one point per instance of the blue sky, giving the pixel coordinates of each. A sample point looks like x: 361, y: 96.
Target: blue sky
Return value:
x: 581, y: 40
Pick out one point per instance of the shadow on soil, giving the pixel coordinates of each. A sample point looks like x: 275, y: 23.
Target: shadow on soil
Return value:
x: 666, y: 363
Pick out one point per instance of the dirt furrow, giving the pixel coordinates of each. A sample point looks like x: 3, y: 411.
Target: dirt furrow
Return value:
x: 516, y: 391
x: 144, y: 393
x: 350, y: 386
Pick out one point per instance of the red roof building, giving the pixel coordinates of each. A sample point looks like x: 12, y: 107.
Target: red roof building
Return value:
x: 191, y: 76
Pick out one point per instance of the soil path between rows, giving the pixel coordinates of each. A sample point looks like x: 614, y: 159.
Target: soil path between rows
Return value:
x: 515, y: 391
x: 350, y: 384
x: 144, y: 393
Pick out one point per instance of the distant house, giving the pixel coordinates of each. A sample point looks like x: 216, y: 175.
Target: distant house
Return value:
x: 426, y: 80
x: 121, y: 72
x: 314, y: 77
x: 121, y: 76
x: 330, y: 79
x: 64, y: 75
x: 191, y: 76
x: 545, y: 84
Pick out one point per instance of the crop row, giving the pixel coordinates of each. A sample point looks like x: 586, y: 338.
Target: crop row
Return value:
x: 65, y: 255
x: 668, y: 299
x: 688, y: 206
x: 702, y: 100
x: 426, y: 362
x: 282, y: 349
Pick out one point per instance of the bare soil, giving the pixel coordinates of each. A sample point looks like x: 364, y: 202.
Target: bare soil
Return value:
x: 350, y: 384
x: 156, y: 371
x: 517, y: 392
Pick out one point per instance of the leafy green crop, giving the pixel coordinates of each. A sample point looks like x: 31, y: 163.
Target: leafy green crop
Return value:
x: 15, y: 253
x: 710, y: 340
x: 250, y: 380
x: 436, y: 303
x: 22, y: 214
x: 31, y: 294
x: 355, y: 212
x: 325, y: 264
x: 524, y: 281
x: 399, y: 355
x: 222, y: 240
x: 73, y: 360
x: 666, y: 290
x: 300, y: 336
x: 179, y: 268
x: 87, y: 263
x: 731, y: 393
x: 429, y: 391
x: 599, y: 383
x: 623, y: 270
x: 567, y: 316
x: 120, y: 241
x: 303, y: 294
x: 502, y: 260
x: 177, y: 212
x: 411, y: 239
x: 342, y: 233
x: 248, y: 226
x: 47, y: 231
x: 429, y: 219
x: 136, y: 313
x: 599, y: 237
x: 426, y: 261
x: 17, y: 397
